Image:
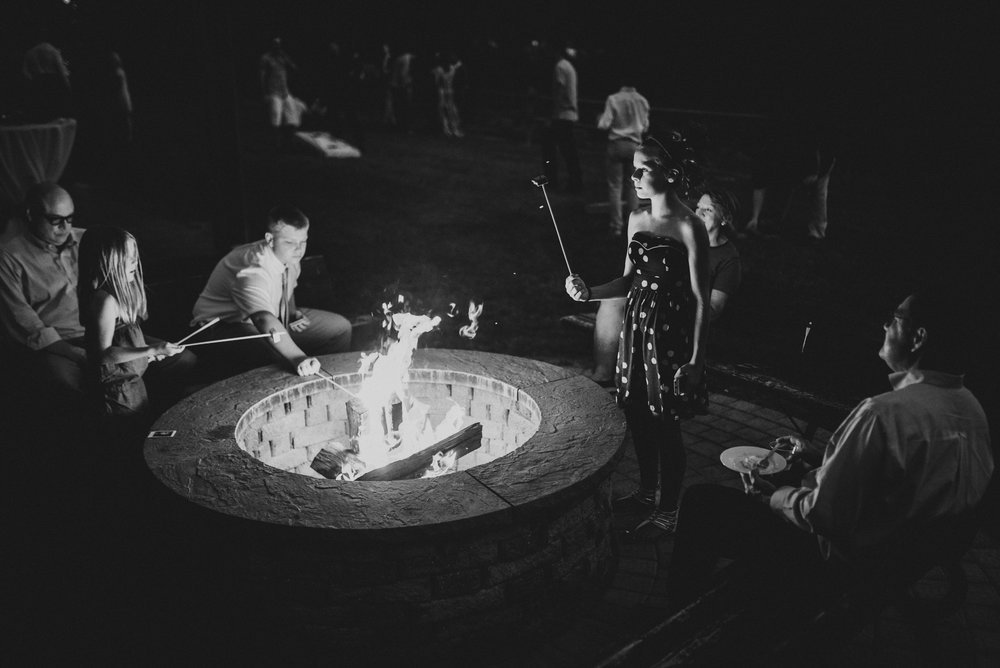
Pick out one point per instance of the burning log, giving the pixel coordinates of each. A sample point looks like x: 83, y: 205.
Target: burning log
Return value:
x: 460, y: 443
x: 357, y: 414
x: 330, y: 462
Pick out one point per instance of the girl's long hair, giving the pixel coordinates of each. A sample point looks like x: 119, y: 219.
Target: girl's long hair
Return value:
x: 104, y: 257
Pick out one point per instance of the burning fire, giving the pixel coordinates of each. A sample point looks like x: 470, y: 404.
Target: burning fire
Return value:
x: 469, y: 331
x: 393, y: 425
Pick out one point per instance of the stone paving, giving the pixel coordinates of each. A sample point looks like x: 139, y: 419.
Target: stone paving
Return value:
x: 635, y: 599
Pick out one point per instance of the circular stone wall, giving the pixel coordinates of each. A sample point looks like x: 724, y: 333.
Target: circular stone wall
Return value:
x: 460, y: 560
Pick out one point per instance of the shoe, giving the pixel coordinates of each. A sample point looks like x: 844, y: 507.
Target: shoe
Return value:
x: 639, y: 501
x: 659, y: 524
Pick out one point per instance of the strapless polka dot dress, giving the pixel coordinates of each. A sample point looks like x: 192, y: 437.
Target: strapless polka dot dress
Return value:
x: 658, y: 331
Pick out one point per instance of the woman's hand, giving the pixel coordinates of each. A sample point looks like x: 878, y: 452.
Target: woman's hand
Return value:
x: 576, y: 288
x: 163, y: 350
x: 687, y: 376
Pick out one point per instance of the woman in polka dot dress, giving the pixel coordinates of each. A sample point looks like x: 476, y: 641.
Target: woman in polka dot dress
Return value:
x: 660, y: 371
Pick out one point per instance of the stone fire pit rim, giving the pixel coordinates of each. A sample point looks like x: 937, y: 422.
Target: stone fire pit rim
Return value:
x: 579, y: 439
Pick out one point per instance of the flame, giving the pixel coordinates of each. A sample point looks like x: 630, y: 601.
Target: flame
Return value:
x: 469, y: 331
x: 441, y: 464
x: 385, y: 380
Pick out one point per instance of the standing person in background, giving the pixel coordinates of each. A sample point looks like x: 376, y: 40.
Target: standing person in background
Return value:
x: 401, y: 87
x: 274, y: 66
x: 384, y: 75
x: 444, y: 81
x: 48, y: 93
x: 626, y: 118
x: 559, y: 137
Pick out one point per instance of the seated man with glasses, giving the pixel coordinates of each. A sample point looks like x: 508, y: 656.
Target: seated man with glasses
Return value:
x: 39, y: 315
x: 38, y: 272
x: 895, y: 488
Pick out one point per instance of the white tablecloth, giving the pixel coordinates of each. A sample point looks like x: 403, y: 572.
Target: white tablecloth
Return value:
x: 32, y: 154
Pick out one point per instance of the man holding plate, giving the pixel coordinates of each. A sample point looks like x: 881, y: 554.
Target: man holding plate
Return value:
x: 897, y: 483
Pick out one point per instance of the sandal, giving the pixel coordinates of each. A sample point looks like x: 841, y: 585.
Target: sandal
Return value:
x: 639, y: 501
x: 660, y: 524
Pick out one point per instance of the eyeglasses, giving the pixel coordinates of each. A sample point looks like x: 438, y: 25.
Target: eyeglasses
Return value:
x: 58, y: 221
x: 893, y: 316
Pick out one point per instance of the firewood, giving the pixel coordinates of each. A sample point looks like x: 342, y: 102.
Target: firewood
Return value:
x: 461, y: 443
x: 330, y: 462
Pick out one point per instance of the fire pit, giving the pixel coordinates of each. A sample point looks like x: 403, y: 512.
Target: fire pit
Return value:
x: 440, y: 562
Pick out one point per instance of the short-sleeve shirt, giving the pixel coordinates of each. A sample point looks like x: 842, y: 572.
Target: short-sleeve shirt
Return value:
x: 247, y: 280
x: 725, y: 269
x: 38, y: 302
x: 275, y: 73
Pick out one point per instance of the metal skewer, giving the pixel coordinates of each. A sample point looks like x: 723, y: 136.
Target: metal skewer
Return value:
x: 540, y: 181
x: 274, y: 336
x: 324, y: 374
x: 200, y: 329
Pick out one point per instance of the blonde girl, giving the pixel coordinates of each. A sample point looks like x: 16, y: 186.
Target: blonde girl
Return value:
x: 112, y: 306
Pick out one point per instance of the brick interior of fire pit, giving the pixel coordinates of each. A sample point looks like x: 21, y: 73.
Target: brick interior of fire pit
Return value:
x: 288, y: 428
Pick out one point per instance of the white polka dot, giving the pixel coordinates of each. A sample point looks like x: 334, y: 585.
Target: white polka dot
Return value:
x: 652, y: 408
x: 625, y: 380
x: 642, y: 315
x: 635, y: 326
x: 652, y: 360
x: 645, y: 283
x: 649, y: 346
x: 645, y: 258
x: 652, y: 331
x: 624, y: 365
x: 641, y: 250
x: 654, y: 286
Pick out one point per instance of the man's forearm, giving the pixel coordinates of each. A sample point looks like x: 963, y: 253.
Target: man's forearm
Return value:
x: 267, y: 323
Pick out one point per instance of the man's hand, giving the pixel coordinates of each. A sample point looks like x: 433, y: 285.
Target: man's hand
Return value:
x: 756, y: 487
x: 790, y: 446
x: 299, y: 323
x: 308, y: 367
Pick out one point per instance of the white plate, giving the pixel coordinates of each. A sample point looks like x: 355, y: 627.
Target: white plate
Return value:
x: 736, y: 459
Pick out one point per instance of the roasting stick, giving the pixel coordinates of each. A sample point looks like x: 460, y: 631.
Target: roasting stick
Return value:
x: 274, y: 336
x: 540, y: 182
x: 327, y: 376
x: 200, y: 329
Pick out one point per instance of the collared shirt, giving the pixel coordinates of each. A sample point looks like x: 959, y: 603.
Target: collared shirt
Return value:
x: 626, y: 115
x: 38, y: 302
x: 246, y: 281
x: 564, y: 91
x: 901, y: 459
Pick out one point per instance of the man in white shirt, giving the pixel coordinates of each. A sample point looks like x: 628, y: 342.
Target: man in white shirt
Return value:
x: 626, y: 118
x: 559, y: 137
x: 902, y: 471
x: 252, y: 291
